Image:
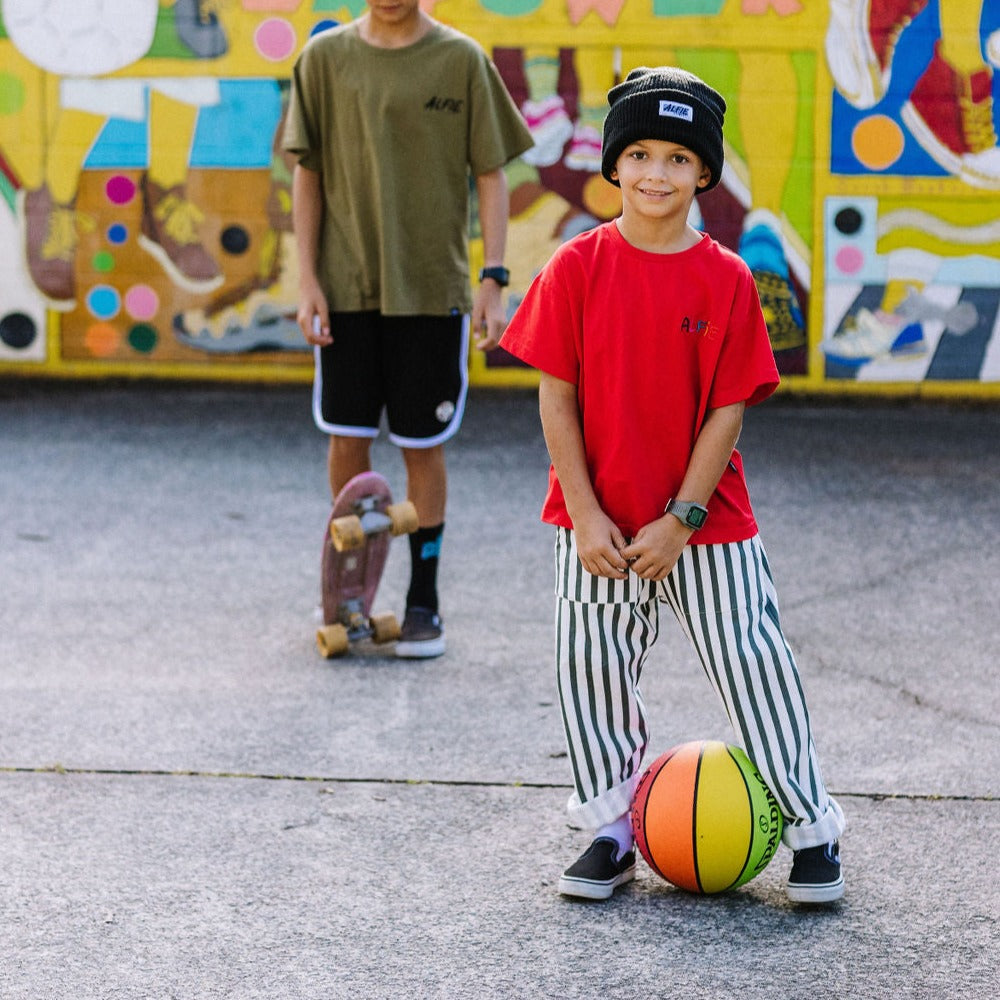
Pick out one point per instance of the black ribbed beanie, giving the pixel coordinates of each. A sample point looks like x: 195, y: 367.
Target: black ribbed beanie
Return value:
x: 665, y: 103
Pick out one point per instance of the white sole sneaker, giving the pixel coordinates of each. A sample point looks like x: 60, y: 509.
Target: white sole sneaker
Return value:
x: 425, y: 649
x: 583, y: 888
x: 829, y: 893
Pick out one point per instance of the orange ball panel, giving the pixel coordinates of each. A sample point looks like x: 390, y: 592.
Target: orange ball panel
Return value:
x: 668, y: 818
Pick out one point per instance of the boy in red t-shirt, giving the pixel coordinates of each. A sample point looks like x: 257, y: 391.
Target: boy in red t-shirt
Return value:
x: 650, y: 342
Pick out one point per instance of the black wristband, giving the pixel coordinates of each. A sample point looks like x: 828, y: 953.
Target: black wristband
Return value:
x: 499, y: 274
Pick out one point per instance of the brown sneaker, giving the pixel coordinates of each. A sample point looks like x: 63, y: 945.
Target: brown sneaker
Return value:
x: 50, y: 240
x: 170, y: 232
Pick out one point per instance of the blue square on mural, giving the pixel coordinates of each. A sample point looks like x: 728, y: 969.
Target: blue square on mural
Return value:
x: 238, y: 132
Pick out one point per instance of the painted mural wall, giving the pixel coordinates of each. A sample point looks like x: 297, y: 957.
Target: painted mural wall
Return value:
x: 145, y: 223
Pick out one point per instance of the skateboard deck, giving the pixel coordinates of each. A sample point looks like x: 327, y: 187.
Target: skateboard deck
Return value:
x: 355, y: 548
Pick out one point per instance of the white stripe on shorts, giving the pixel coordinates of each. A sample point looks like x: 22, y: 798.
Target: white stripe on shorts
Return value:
x: 453, y: 424
x: 317, y: 407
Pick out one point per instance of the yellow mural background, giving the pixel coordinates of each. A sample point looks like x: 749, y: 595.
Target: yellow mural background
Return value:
x: 767, y: 57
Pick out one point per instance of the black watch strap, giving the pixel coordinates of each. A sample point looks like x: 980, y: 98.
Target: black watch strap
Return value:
x: 499, y: 274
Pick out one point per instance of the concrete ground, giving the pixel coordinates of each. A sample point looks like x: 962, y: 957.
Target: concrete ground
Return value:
x: 193, y: 804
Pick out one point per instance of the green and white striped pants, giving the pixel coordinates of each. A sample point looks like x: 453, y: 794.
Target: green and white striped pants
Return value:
x: 724, y: 599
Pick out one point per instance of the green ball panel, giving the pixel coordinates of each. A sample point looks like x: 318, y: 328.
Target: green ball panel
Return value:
x: 767, y: 819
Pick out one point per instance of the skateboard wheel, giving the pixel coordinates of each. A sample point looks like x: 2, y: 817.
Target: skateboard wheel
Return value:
x: 403, y: 517
x: 347, y: 533
x: 331, y: 640
x: 385, y: 627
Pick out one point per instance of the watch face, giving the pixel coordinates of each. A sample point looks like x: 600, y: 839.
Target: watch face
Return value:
x: 696, y: 517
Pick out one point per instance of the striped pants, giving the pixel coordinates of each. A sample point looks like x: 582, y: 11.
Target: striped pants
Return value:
x: 724, y: 599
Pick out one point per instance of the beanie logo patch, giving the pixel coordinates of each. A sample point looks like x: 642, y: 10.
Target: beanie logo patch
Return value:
x: 671, y: 109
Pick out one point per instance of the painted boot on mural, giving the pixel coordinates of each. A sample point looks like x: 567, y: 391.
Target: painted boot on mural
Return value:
x: 170, y: 232
x: 950, y: 114
x: 257, y: 315
x: 860, y: 43
x: 198, y: 27
x: 51, y: 235
x: 550, y: 127
x: 761, y: 248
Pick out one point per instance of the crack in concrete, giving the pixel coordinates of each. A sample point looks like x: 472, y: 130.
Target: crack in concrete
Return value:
x: 431, y: 782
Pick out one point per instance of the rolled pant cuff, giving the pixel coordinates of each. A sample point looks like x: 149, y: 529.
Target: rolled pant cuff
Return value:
x: 606, y: 808
x: 827, y: 828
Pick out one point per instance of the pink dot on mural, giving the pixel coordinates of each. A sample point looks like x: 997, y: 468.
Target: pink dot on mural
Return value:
x: 275, y: 39
x: 849, y: 260
x: 120, y: 190
x: 141, y: 302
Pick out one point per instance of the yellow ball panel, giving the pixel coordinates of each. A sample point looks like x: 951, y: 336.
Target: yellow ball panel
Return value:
x: 722, y: 826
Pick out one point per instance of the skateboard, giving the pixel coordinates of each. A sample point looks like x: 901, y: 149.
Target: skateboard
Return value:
x: 355, y: 548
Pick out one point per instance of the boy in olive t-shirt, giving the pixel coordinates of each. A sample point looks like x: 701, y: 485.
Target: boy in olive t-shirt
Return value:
x: 389, y: 118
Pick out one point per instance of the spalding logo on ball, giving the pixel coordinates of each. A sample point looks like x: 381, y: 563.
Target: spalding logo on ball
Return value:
x: 703, y: 817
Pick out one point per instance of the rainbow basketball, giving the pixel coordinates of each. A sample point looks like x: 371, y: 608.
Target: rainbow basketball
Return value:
x: 703, y: 817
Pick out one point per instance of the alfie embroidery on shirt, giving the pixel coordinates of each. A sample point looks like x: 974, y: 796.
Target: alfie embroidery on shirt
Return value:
x: 452, y: 104
x: 699, y: 327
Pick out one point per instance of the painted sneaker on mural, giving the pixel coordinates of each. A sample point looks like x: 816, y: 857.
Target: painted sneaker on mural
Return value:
x: 762, y: 250
x: 550, y: 127
x: 51, y: 235
x: 171, y: 233
x: 584, y: 151
x: 860, y: 43
x: 198, y: 27
x: 257, y: 324
x: 950, y: 114
x: 873, y: 336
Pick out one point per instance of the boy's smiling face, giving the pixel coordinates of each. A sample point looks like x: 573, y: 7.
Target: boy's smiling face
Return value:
x: 659, y: 179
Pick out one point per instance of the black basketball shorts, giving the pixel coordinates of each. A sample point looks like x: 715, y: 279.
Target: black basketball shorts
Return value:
x: 412, y: 368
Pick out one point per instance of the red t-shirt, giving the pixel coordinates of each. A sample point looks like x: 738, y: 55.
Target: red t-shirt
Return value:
x: 652, y: 342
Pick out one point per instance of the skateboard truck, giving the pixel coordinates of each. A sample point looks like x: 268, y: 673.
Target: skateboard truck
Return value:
x: 350, y: 531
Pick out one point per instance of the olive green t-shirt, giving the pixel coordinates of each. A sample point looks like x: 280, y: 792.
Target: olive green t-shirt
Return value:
x: 395, y: 134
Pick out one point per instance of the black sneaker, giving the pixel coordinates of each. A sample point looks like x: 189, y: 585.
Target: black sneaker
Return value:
x: 816, y: 876
x: 422, y: 635
x: 596, y: 874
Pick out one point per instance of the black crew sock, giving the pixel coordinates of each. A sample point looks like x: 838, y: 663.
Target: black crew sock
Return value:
x: 425, y: 550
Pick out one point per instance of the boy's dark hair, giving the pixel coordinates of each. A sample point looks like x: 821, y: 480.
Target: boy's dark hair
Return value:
x: 665, y: 103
